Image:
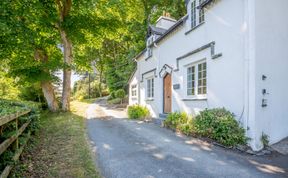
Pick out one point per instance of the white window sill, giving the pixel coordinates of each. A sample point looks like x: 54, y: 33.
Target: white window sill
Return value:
x: 149, y: 99
x: 192, y: 29
x: 148, y: 57
x: 195, y: 98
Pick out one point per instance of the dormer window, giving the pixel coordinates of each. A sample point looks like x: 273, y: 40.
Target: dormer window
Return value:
x: 201, y: 13
x: 149, y: 48
x: 150, y: 41
x: 193, y: 14
x: 197, y: 15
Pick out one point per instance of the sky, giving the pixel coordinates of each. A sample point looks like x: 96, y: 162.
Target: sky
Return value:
x: 74, y: 78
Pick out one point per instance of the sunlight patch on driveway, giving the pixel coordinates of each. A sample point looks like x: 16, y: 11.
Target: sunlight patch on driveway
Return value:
x: 267, y: 168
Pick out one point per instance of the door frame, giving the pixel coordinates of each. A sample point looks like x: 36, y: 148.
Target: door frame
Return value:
x: 163, y: 96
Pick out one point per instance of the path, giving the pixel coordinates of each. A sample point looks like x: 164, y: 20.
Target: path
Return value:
x: 127, y: 149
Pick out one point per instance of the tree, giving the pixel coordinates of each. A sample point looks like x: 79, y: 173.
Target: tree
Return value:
x: 8, y: 89
x: 120, y: 94
x: 29, y: 45
x: 33, y: 31
x: 109, y: 32
x: 83, y: 24
x: 117, y: 52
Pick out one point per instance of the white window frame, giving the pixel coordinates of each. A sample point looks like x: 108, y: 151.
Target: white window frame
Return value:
x: 134, y: 91
x: 193, y: 13
x: 197, y: 16
x: 149, y: 51
x: 150, y: 85
x: 196, y: 94
x: 201, y: 13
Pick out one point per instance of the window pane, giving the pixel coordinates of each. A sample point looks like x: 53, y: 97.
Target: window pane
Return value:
x: 152, y: 88
x: 189, y: 85
x: 202, y: 80
x: 193, y: 13
x: 148, y: 88
x: 190, y: 80
x: 199, y: 74
x: 189, y: 92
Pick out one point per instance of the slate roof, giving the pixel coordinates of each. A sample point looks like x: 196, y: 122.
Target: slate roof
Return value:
x: 171, y: 29
x: 157, y: 30
x: 163, y: 32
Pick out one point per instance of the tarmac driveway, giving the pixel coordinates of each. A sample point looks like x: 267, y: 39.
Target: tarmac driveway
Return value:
x: 127, y: 149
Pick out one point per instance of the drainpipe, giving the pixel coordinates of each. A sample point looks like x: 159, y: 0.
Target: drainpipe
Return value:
x: 160, y: 110
x: 250, y: 75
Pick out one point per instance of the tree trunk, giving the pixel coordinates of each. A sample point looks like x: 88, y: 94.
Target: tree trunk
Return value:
x: 47, y: 87
x: 68, y: 58
x: 100, y: 81
x: 48, y: 91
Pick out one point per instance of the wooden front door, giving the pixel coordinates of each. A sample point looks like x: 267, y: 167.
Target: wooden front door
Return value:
x: 167, y: 93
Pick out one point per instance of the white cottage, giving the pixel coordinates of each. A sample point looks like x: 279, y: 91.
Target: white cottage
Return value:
x: 223, y: 53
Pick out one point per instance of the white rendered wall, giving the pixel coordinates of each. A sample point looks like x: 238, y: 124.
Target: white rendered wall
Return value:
x: 271, y: 32
x: 225, y: 75
x: 252, y: 36
x: 134, y: 81
x: 224, y: 24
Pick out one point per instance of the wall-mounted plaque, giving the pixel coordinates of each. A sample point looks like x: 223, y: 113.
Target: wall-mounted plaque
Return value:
x: 176, y: 86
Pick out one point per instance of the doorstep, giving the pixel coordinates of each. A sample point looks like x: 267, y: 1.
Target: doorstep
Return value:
x: 160, y: 120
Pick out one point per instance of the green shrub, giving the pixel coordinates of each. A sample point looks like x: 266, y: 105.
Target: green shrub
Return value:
x: 120, y: 93
x: 265, y: 139
x: 174, y: 119
x: 180, y: 122
x: 217, y: 124
x: 112, y: 95
x: 187, y: 127
x: 114, y: 101
x: 138, y: 112
x: 220, y: 125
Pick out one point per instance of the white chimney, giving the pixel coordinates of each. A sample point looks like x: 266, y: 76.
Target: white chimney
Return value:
x: 165, y: 22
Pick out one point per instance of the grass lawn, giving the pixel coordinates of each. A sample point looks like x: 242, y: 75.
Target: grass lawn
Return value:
x: 60, y: 148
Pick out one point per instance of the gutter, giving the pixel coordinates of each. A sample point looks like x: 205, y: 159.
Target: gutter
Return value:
x: 140, y: 54
x: 204, y: 4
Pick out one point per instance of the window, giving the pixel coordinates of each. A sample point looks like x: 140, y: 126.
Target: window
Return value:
x: 150, y: 88
x: 197, y: 71
x: 193, y: 13
x: 201, y: 13
x: 150, y: 41
x: 149, y: 49
x: 134, y: 90
x: 149, y: 52
x: 202, y: 79
x: 197, y: 15
x: 191, y: 80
